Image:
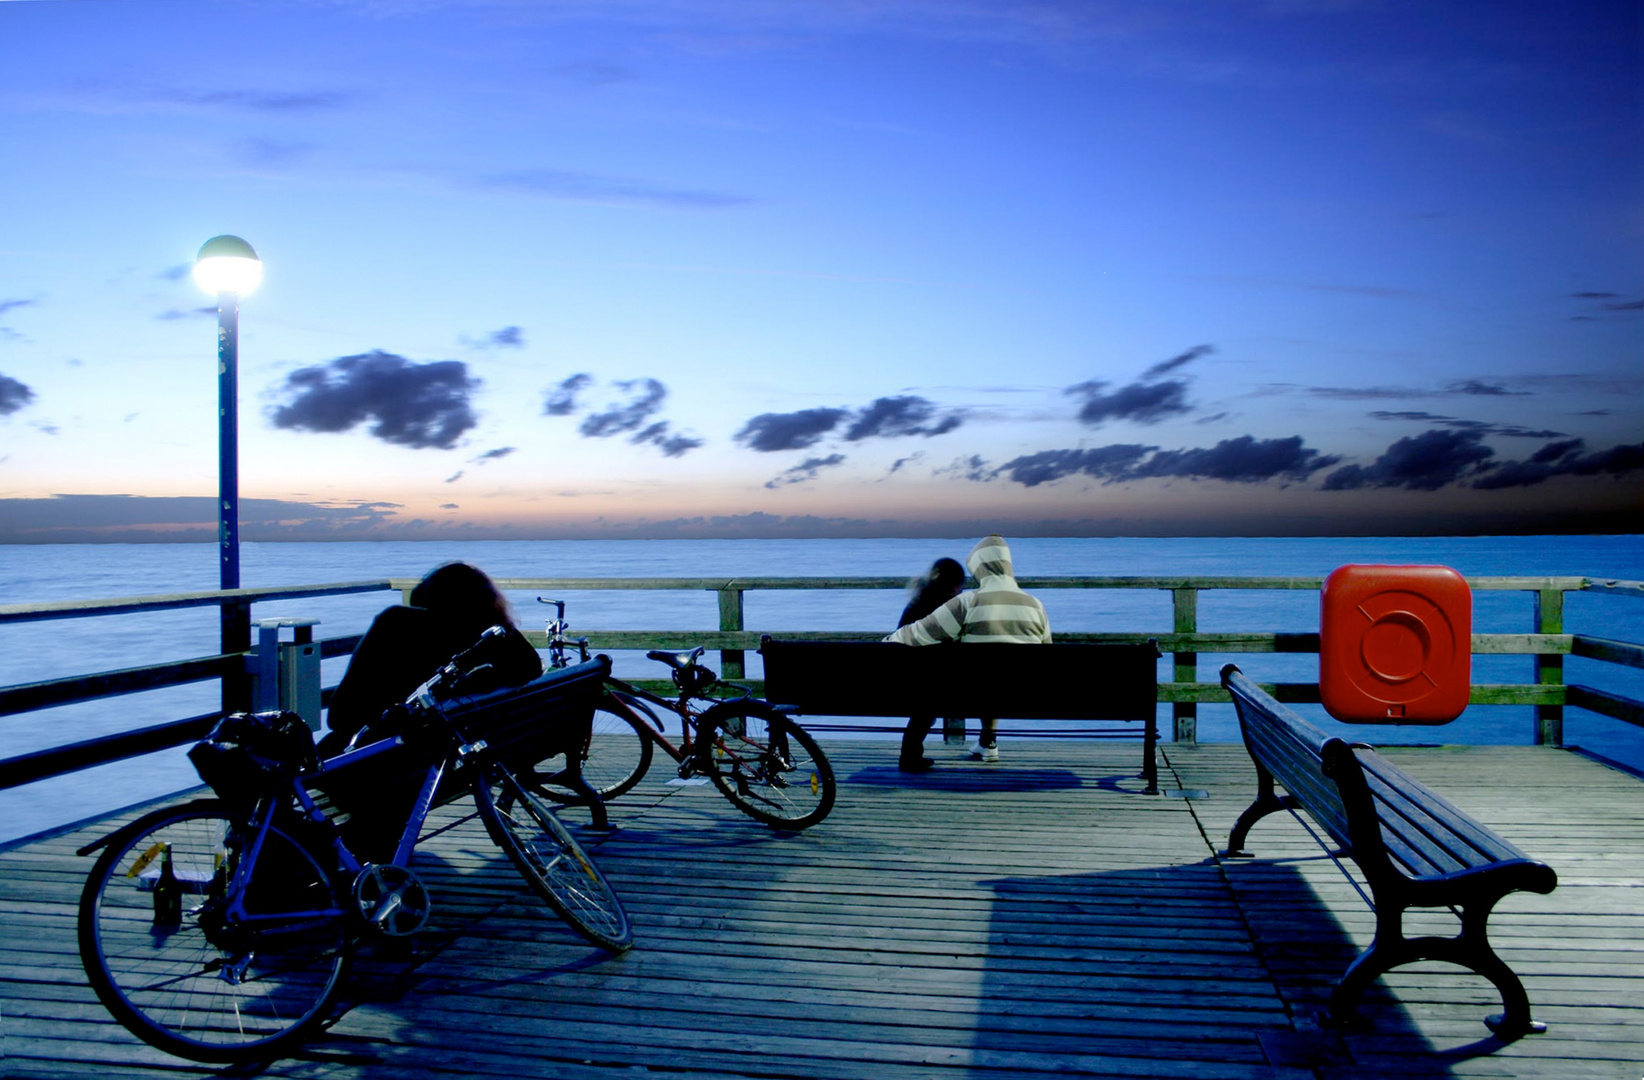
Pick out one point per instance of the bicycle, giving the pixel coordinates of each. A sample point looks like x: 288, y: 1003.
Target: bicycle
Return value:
x: 754, y: 752
x: 221, y: 930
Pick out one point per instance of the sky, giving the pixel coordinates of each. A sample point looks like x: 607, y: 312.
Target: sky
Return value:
x: 674, y: 268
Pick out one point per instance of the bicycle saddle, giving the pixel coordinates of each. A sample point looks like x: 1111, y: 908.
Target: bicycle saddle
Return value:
x: 678, y: 659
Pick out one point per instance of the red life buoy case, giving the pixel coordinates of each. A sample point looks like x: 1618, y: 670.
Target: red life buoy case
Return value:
x: 1395, y: 644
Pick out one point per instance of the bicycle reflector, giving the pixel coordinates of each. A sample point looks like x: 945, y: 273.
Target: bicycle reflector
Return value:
x: 1395, y: 644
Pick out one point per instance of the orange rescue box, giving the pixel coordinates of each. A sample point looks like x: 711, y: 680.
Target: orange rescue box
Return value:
x: 1395, y: 644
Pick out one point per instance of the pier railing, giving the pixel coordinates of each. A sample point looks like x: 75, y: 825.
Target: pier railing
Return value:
x: 270, y: 673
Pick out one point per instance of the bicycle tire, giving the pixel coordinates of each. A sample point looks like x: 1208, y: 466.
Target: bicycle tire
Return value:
x: 771, y: 769
x: 212, y: 990
x: 551, y: 861
x: 619, y: 754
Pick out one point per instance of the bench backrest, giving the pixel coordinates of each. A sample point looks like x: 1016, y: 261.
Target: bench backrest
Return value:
x: 1020, y: 682
x: 1390, y: 821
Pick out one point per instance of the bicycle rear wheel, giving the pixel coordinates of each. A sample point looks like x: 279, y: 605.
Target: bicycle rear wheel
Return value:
x: 213, y: 987
x: 551, y: 860
x: 767, y: 765
x: 619, y: 753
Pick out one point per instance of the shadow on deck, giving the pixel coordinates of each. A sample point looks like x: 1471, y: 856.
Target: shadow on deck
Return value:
x: 1039, y: 916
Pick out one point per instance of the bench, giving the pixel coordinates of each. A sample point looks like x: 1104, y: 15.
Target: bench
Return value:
x: 1008, y: 682
x: 1415, y: 848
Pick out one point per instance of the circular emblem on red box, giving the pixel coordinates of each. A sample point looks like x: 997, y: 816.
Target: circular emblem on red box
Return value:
x: 1395, y: 644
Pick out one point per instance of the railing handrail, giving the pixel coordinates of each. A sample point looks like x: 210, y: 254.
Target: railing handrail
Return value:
x: 76, y: 609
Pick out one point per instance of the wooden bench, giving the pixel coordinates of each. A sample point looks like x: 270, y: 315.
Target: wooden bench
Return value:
x: 1415, y: 849
x: 1005, y: 682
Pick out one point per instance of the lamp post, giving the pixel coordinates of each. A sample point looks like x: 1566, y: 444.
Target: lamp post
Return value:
x: 229, y: 268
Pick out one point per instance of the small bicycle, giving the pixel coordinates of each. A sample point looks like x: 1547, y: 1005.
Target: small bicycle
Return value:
x: 221, y: 930
x: 754, y: 752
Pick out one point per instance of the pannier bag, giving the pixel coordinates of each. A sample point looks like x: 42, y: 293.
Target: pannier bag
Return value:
x: 250, y: 754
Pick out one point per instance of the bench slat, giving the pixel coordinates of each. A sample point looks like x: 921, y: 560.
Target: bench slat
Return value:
x: 1425, y: 833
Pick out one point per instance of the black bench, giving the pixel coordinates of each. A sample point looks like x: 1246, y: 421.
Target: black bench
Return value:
x: 1415, y: 849
x: 1007, y: 682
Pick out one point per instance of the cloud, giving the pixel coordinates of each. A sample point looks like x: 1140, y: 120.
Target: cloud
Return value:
x: 1605, y: 302
x: 13, y: 395
x: 454, y: 477
x: 495, y: 455
x: 1563, y: 459
x: 888, y: 417
x: 172, y: 314
x: 1482, y: 427
x: 1165, y: 366
x: 770, y: 432
x: 1143, y: 403
x: 509, y: 337
x: 806, y: 470
x: 9, y: 305
x: 562, y: 399
x: 974, y: 467
x: 671, y: 445
x: 1107, y: 463
x: 1245, y: 460
x: 412, y: 404
x: 268, y: 101
x: 646, y: 398
x: 134, y: 518
x: 1424, y: 462
x: 571, y: 186
x: 1476, y: 388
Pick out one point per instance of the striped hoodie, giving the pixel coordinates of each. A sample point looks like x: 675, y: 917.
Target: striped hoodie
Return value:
x: 996, y: 610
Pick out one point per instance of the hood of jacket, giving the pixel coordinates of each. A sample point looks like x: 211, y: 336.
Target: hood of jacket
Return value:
x: 990, y: 558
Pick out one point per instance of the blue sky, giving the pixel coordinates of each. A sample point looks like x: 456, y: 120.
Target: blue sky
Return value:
x: 697, y: 267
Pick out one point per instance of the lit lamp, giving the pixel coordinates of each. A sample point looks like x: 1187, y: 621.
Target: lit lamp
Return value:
x: 228, y: 268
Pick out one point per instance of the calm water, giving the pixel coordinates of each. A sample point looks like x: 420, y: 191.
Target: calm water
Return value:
x: 29, y: 652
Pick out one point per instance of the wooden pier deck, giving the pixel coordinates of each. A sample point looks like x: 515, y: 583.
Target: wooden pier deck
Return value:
x: 1031, y: 918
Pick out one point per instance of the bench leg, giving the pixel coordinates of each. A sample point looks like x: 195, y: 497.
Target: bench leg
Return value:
x: 1266, y: 803
x: 1150, y: 756
x: 1469, y: 949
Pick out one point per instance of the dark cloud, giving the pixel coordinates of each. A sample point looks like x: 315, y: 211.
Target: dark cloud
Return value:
x: 1144, y: 403
x: 1482, y: 427
x: 449, y: 506
x: 1477, y: 388
x: 495, y: 455
x: 806, y: 470
x: 103, y: 518
x: 509, y: 337
x: 175, y: 273
x: 671, y: 444
x: 13, y: 395
x: 1605, y: 302
x: 888, y: 417
x: 1424, y: 462
x: 172, y: 314
x: 454, y: 477
x: 974, y: 467
x: 1107, y: 463
x: 1164, y: 366
x: 562, y: 399
x: 1245, y: 460
x: 645, y: 398
x: 8, y: 305
x: 589, y: 187
x: 411, y: 404
x: 769, y: 432
x: 1563, y: 459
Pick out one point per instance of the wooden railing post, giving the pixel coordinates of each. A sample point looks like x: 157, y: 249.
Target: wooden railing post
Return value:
x: 1549, y: 614
x: 732, y: 662
x: 1184, y: 605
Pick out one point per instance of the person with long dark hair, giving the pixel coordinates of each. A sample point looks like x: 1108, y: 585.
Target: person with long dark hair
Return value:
x: 935, y: 587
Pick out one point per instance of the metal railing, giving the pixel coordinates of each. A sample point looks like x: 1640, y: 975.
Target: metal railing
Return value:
x: 1545, y: 641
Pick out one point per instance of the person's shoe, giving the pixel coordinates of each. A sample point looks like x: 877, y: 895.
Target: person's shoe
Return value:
x: 978, y: 752
x: 923, y: 764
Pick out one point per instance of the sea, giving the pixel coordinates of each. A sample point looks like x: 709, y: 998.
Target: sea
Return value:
x: 36, y: 651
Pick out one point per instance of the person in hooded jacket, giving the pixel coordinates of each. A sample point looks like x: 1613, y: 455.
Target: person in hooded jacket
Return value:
x: 997, y: 610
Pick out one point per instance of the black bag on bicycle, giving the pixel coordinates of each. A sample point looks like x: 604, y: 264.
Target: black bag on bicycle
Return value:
x: 250, y: 754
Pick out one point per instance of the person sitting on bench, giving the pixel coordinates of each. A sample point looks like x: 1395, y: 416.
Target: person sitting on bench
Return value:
x: 997, y: 610
x: 941, y: 583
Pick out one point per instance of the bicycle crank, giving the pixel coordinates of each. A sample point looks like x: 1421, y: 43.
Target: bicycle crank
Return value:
x: 392, y: 899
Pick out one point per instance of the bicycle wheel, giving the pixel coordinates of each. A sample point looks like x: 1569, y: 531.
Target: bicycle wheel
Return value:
x: 551, y: 860
x: 619, y: 753
x: 767, y: 765
x: 212, y: 986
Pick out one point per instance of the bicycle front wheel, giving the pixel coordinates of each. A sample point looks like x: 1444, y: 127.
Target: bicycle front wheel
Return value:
x: 767, y: 765
x: 618, y: 755
x: 551, y: 860
x: 214, y: 983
